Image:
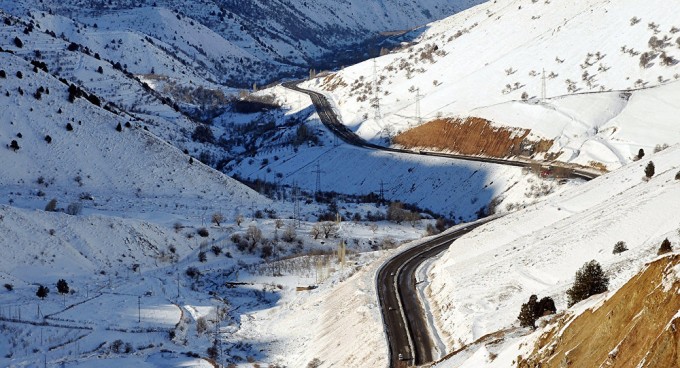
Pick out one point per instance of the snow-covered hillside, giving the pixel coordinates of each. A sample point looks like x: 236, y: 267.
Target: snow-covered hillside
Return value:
x: 489, y: 62
x: 73, y: 150
x: 241, y: 43
x: 455, y: 189
x: 480, y: 283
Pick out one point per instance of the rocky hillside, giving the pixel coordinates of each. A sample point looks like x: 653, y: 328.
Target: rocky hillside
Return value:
x: 638, y: 326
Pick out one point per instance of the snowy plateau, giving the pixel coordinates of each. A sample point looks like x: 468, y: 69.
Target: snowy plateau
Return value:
x: 165, y: 201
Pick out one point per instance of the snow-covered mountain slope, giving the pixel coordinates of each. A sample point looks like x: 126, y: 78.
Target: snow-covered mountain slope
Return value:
x: 72, y: 150
x: 241, y: 43
x: 480, y: 283
x: 488, y: 62
x: 455, y: 189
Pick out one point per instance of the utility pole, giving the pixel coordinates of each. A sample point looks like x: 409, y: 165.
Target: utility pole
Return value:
x: 376, y: 97
x: 139, y: 309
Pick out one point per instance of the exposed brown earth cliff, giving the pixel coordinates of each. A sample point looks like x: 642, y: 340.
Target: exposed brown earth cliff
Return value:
x: 472, y: 136
x: 639, y: 326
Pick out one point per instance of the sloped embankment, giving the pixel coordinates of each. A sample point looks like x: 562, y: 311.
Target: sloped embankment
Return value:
x: 639, y: 326
x: 472, y: 136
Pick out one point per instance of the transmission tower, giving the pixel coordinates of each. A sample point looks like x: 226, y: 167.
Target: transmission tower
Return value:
x: 382, y: 191
x: 419, y: 119
x: 376, y: 97
x: 296, y: 204
x: 543, y: 87
x: 318, y: 173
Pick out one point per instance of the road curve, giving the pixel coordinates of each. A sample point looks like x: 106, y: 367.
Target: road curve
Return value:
x: 330, y: 119
x: 403, y: 314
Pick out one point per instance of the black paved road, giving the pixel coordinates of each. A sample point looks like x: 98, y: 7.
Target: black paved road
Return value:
x: 403, y: 314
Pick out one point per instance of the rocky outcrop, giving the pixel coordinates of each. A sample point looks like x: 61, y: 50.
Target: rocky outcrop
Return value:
x: 472, y: 136
x: 639, y: 326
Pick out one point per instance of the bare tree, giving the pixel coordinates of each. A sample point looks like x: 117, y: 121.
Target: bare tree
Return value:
x: 289, y: 235
x: 329, y: 229
x: 254, y: 235
x: 239, y: 219
x: 217, y: 218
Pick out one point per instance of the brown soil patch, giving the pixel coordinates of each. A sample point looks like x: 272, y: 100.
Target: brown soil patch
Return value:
x: 639, y: 326
x: 472, y: 136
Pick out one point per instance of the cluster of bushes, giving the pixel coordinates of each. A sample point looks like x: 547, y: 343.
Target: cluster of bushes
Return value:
x: 396, y: 212
x: 75, y: 92
x: 535, y: 309
x: 73, y: 209
x: 253, y: 104
x: 43, y: 291
x: 588, y: 281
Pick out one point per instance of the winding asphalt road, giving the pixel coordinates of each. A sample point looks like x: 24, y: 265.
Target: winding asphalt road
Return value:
x: 403, y: 314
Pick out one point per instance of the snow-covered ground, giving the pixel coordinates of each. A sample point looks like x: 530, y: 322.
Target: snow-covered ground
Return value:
x: 480, y: 283
x: 141, y: 273
x: 453, y: 188
x: 481, y: 61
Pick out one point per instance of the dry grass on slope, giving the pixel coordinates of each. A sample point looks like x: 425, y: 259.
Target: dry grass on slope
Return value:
x: 471, y: 136
x: 639, y: 326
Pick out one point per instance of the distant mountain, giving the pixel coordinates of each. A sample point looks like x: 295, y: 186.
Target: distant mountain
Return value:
x: 244, y: 42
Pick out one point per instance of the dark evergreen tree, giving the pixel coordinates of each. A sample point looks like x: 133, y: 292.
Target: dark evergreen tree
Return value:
x: 203, y: 134
x: 545, y: 307
x: 589, y: 280
x: 119, y: 127
x: 641, y: 153
x: 69, y: 127
x: 48, y: 139
x: 62, y: 286
x: 42, y: 292
x: 14, y: 145
x: 665, y: 247
x: 649, y: 170
x: 527, y: 314
x: 620, y: 247
x: 18, y: 43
